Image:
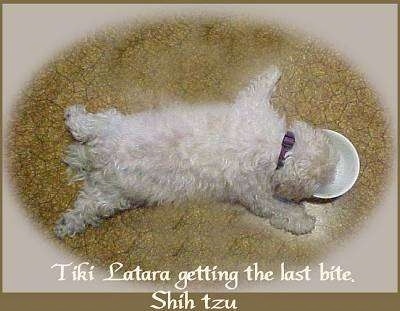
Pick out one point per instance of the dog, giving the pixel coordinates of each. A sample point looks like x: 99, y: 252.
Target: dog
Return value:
x: 242, y: 152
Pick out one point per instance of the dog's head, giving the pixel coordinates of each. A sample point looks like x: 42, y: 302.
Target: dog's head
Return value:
x: 310, y: 164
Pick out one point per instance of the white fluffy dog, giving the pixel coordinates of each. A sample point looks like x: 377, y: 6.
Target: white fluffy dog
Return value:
x: 223, y: 152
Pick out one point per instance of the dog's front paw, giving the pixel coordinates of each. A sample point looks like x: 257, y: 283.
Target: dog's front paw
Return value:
x: 68, y: 225
x: 296, y: 223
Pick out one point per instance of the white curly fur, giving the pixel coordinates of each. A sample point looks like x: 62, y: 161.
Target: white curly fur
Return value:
x: 223, y: 152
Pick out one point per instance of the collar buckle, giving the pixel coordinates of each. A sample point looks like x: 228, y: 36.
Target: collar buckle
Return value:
x: 287, y: 144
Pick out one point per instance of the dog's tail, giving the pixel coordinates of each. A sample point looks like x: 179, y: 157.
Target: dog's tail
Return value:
x: 78, y: 160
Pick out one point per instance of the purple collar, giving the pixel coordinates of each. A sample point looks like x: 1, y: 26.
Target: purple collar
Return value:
x: 287, y: 144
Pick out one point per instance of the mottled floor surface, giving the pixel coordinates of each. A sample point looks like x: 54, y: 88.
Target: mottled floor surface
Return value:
x: 138, y: 68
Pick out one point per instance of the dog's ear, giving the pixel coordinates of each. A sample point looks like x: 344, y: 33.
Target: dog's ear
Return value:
x: 293, y: 181
x: 260, y: 89
x: 283, y: 186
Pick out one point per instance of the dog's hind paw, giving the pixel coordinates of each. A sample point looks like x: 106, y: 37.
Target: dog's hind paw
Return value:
x: 80, y: 123
x: 74, y: 110
x: 68, y: 225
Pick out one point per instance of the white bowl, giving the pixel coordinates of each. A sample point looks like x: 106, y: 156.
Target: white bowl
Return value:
x: 347, y: 169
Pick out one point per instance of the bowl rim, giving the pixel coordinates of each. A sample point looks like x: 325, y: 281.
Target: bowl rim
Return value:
x: 357, y: 164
